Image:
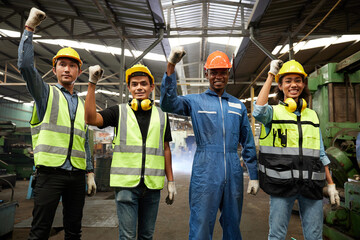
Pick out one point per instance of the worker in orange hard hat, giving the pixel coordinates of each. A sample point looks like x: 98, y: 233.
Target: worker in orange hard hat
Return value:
x: 220, y: 124
x: 59, y: 137
x: 292, y: 161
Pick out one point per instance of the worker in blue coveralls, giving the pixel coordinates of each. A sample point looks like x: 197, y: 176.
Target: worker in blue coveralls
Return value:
x: 220, y: 123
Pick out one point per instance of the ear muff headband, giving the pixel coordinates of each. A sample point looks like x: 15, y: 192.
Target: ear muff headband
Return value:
x: 292, y: 106
x: 145, y: 104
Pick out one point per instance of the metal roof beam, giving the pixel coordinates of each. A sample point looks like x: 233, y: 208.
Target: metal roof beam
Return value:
x: 191, y: 2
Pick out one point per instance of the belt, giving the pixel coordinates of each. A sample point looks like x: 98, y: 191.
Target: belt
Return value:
x: 57, y: 170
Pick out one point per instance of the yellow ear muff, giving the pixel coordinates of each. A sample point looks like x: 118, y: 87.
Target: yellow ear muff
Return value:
x: 290, y: 105
x: 134, y: 104
x: 146, y: 104
x: 303, y: 105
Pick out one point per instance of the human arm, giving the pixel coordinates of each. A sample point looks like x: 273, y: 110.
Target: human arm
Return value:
x: 91, y: 116
x: 38, y: 89
x: 90, y: 180
x: 169, y: 175
x: 263, y: 96
x: 331, y: 188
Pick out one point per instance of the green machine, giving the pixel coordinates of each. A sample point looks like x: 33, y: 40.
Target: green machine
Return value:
x: 335, y: 90
x: 16, y: 155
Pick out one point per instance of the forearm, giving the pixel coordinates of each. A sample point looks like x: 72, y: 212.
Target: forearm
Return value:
x: 168, y: 162
x: 328, y: 175
x: 91, y: 116
x: 170, y: 69
x: 265, y: 90
x: 89, y: 164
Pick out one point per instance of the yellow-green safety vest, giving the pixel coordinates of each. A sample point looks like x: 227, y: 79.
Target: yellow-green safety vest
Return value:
x: 128, y: 167
x: 289, y: 156
x: 56, y: 137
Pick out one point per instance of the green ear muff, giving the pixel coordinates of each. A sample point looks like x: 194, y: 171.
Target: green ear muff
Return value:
x: 145, y: 104
x: 292, y: 106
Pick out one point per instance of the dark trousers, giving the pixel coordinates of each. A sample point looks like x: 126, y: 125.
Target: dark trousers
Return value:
x: 51, y: 184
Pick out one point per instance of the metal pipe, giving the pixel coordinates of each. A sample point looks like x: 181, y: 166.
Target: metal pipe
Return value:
x: 258, y: 44
x: 149, y: 48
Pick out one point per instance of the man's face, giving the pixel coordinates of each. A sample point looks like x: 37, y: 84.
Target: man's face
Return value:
x: 140, y: 87
x: 218, y: 79
x: 66, y: 71
x: 292, y: 86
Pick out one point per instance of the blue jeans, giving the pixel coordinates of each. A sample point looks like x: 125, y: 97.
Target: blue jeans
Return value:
x: 137, y: 207
x: 311, y: 214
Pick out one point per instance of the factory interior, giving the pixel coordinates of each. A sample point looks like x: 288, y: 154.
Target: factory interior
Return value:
x: 323, y: 35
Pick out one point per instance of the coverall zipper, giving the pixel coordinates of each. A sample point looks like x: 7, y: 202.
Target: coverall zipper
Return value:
x: 222, y: 115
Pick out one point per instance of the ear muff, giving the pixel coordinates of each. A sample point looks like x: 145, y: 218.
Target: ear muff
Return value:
x: 145, y: 104
x: 292, y: 106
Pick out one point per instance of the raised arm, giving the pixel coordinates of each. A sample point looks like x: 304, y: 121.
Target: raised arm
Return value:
x: 91, y: 116
x: 263, y: 97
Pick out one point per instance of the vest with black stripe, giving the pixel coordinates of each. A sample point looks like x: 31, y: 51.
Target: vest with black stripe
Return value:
x: 57, y: 137
x: 289, y: 157
x: 133, y: 159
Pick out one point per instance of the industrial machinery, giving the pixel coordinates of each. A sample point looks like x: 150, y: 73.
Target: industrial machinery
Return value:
x: 16, y: 153
x: 335, y: 90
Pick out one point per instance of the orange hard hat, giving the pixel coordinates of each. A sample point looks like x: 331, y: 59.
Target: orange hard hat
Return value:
x: 217, y: 59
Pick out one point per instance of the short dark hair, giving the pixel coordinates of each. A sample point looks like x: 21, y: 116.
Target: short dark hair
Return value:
x: 305, y: 94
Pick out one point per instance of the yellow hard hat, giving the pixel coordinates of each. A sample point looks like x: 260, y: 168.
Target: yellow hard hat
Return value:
x: 291, y: 66
x: 138, y: 70
x: 67, y: 52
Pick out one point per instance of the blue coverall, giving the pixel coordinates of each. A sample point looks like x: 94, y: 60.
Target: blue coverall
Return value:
x: 219, y: 124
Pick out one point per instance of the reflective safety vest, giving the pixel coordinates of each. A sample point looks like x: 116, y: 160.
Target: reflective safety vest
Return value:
x: 133, y: 159
x: 57, y: 137
x: 289, y: 157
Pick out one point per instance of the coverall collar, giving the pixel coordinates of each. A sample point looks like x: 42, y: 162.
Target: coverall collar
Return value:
x: 224, y: 95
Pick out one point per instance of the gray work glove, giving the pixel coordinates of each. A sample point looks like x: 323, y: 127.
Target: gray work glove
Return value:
x: 253, y: 187
x: 176, y: 54
x: 36, y: 16
x: 333, y: 194
x: 95, y: 73
x: 275, y: 66
x: 171, y: 193
x: 91, y: 185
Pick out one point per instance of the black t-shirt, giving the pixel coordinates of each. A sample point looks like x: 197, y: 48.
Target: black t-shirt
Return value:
x: 111, y: 118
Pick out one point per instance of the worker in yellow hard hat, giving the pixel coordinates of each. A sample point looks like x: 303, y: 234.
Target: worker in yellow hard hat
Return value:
x: 142, y: 156
x: 292, y: 162
x: 220, y: 124
x: 59, y: 137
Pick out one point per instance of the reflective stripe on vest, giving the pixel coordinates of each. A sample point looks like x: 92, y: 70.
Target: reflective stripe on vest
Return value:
x: 289, y: 174
x: 51, y: 137
x: 126, y: 167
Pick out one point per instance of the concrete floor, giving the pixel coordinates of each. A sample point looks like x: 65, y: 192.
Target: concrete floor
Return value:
x: 172, y: 222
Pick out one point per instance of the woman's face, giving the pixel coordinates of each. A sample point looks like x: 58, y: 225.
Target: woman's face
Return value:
x: 292, y: 86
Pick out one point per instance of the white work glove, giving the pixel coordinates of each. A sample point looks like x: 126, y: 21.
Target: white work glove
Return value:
x: 176, y: 54
x: 275, y: 66
x: 253, y: 187
x: 36, y: 16
x: 95, y: 73
x: 171, y: 193
x: 333, y: 194
x: 91, y: 186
